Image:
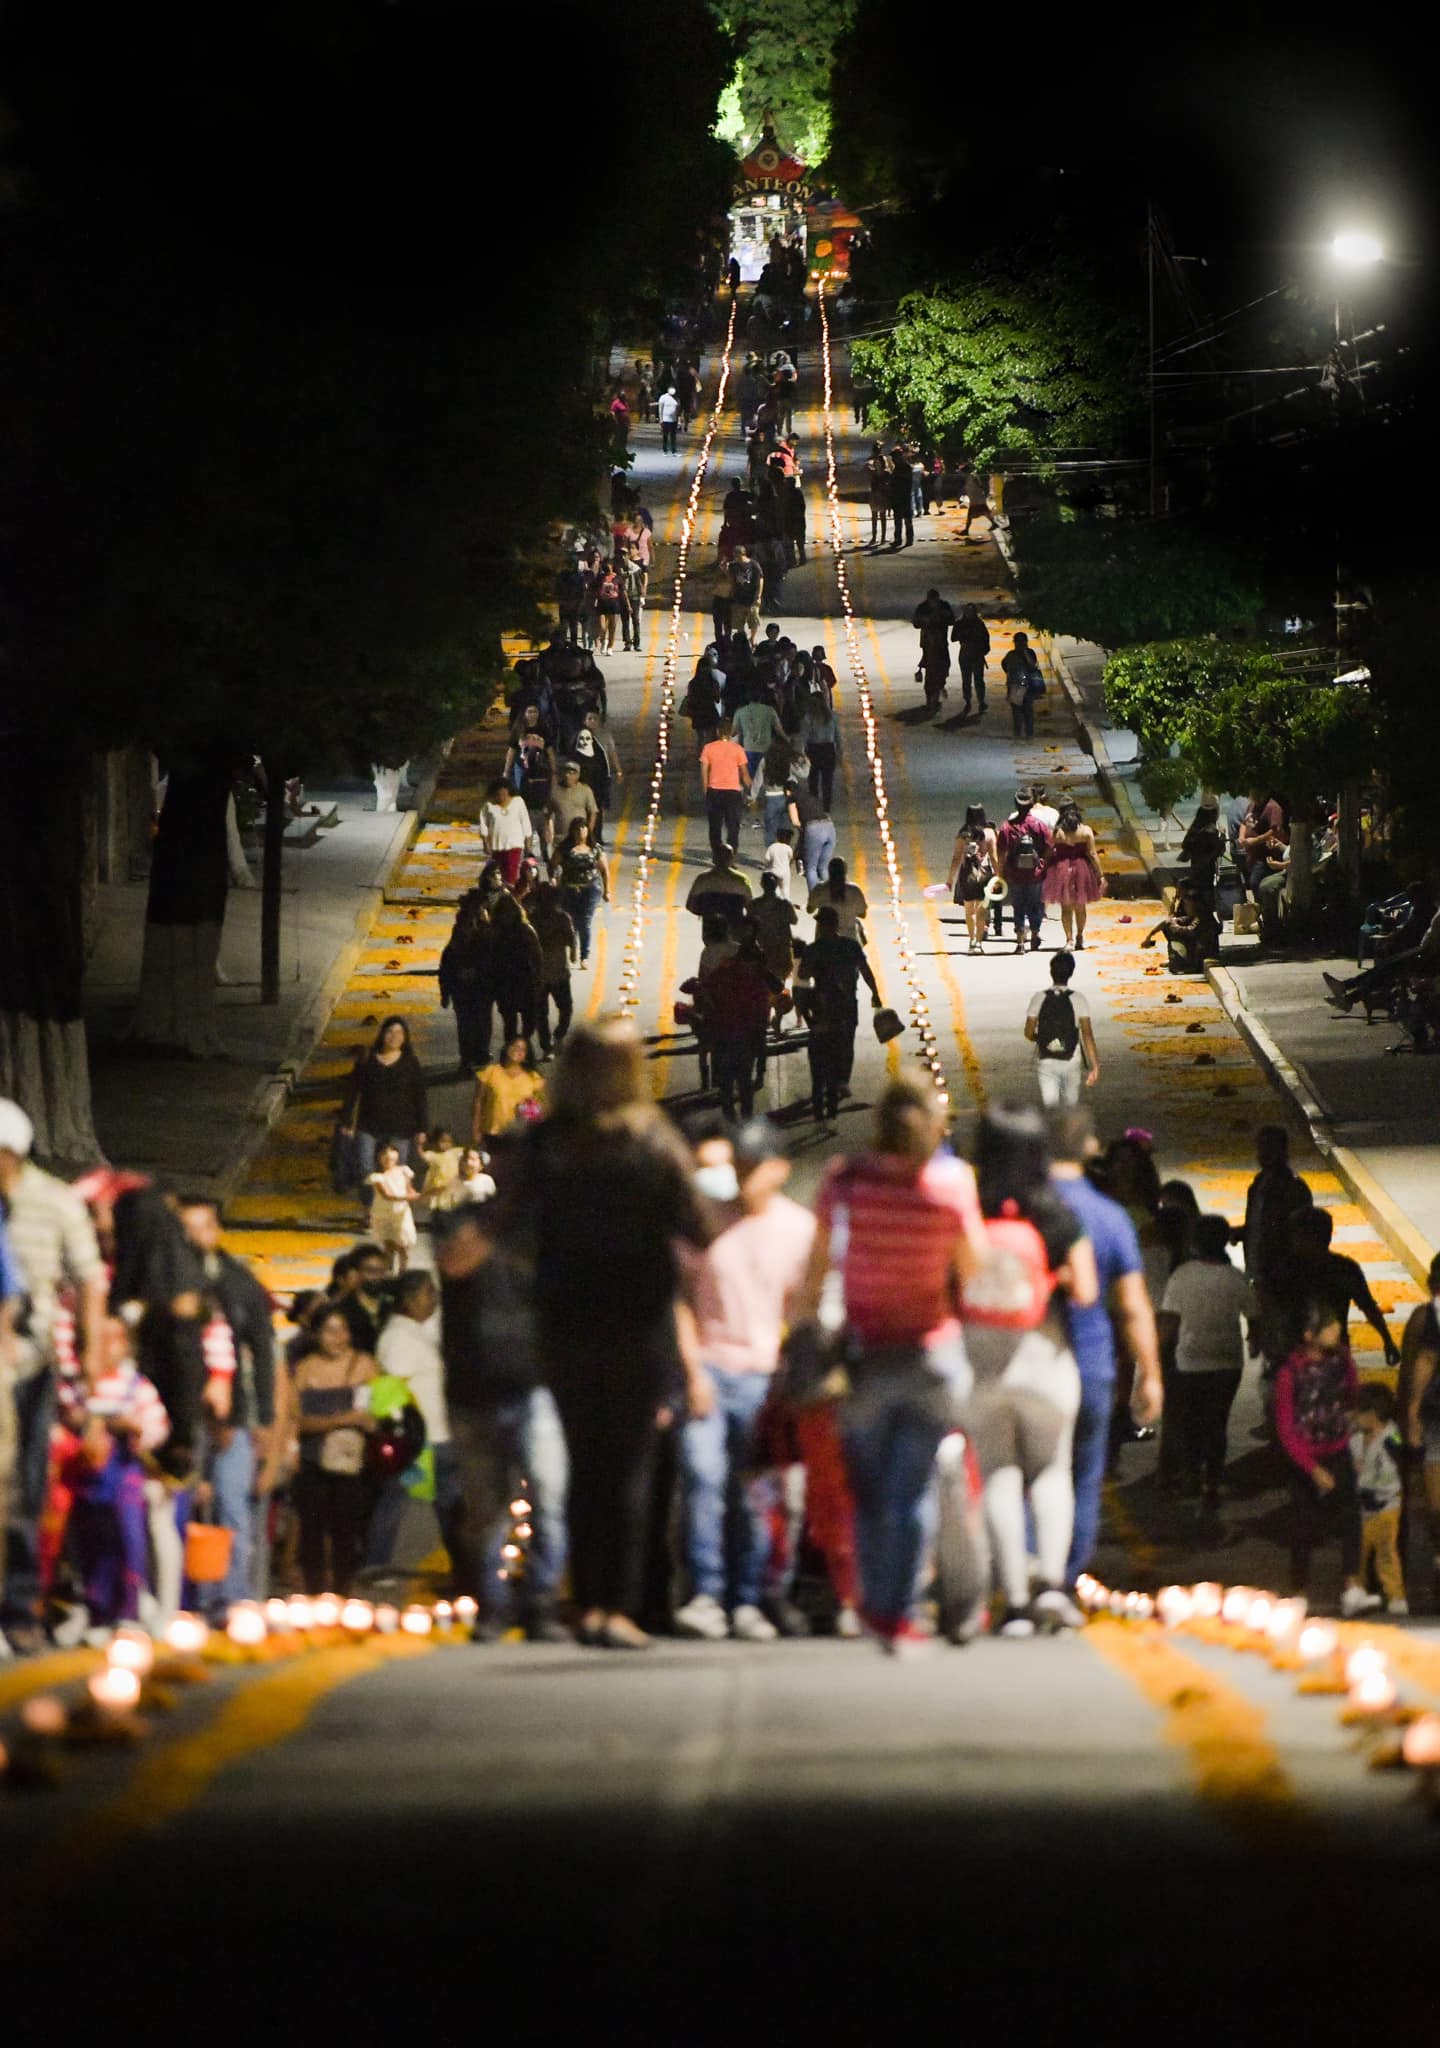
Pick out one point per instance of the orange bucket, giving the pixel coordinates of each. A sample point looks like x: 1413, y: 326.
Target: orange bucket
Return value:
x: 207, y: 1553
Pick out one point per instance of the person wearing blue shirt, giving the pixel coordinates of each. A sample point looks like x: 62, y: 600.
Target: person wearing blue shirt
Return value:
x: 1124, y: 1303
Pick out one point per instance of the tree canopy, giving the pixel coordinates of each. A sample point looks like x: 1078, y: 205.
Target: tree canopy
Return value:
x: 1011, y: 368
x: 1119, y: 581
x: 785, y: 50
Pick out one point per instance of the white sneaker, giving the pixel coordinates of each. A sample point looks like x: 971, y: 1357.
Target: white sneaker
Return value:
x: 1017, y: 1626
x: 1355, y: 1600
x: 1054, y: 1609
x: 749, y: 1625
x: 849, y: 1625
x: 703, y: 1617
x: 70, y: 1633
x: 1397, y: 1607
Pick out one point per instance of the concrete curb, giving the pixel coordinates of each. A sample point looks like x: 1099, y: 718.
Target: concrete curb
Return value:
x: 274, y: 1090
x: 1409, y: 1247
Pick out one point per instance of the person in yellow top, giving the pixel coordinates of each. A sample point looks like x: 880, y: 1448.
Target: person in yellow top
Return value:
x: 442, y: 1166
x: 502, y: 1089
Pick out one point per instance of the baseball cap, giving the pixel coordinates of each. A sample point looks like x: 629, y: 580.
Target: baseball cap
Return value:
x: 17, y: 1133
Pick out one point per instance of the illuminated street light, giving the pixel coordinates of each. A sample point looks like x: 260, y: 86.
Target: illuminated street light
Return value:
x: 1355, y: 251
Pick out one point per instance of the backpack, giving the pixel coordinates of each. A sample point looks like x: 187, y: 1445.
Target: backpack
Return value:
x: 1012, y: 1286
x: 1025, y: 858
x: 1057, y: 1034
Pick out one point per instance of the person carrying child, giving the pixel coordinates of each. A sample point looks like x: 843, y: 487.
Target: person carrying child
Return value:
x: 1316, y: 1390
x: 1375, y: 1448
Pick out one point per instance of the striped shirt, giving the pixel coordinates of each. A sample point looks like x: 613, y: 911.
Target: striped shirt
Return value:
x: 903, y: 1230
x: 52, y: 1239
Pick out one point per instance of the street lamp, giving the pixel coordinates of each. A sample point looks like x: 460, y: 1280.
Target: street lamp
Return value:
x: 1355, y: 251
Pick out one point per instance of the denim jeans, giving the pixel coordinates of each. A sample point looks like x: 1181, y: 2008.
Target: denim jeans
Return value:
x: 891, y: 1426
x: 495, y: 1450
x: 715, y: 1451
x: 34, y: 1399
x: 817, y: 844
x: 1088, y: 1455
x: 1027, y: 905
x: 232, y: 1475
x: 776, y: 814
x: 1022, y: 719
x: 581, y: 904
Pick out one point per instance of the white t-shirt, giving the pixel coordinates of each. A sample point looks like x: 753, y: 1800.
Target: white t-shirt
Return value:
x: 408, y: 1350
x: 780, y: 860
x: 1047, y: 814
x: 667, y: 408
x: 745, y: 1282
x: 505, y: 826
x: 1082, y: 1011
x: 1209, y: 1298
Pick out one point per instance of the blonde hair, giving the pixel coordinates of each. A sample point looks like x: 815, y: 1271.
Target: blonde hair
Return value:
x: 600, y: 1076
x: 909, y: 1117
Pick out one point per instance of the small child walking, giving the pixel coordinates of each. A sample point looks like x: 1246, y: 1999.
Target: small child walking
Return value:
x: 442, y: 1166
x: 1316, y: 1390
x: 392, y: 1205
x: 1375, y: 1448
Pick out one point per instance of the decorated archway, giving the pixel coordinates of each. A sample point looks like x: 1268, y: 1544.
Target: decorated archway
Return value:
x: 772, y: 193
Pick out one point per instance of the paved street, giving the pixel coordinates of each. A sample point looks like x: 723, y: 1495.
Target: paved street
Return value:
x: 1089, y: 1832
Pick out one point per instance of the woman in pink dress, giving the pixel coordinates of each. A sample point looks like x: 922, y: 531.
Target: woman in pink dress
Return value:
x: 1072, y: 874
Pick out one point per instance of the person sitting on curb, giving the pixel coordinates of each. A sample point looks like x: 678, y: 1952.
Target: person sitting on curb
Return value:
x: 1191, y: 929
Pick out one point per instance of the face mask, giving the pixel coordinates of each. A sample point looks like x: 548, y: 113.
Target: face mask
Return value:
x: 720, y: 1183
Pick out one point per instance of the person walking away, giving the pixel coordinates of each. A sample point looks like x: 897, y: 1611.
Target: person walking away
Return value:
x: 1121, y: 1313
x: 386, y: 1098
x: 742, y: 1289
x: 720, y: 891
x: 329, y: 1487
x: 971, y: 637
x: 1316, y: 1390
x: 724, y: 777
x: 971, y: 872
x: 902, y: 507
x: 1072, y: 874
x: 245, y: 1456
x: 877, y: 471
x: 1271, y: 1200
x: 779, y: 862
x: 756, y: 726
x: 504, y: 1091
x: 667, y: 411
x: 845, y: 898
x: 976, y: 824
x: 52, y: 1243
x: 504, y: 1426
x: 814, y: 829
x: 583, y: 873
x: 1377, y: 1453
x: 771, y: 781
x: 833, y: 966
x: 616, y: 1343
x: 822, y: 744
x: 1312, y: 1271
x: 515, y: 967
x: 900, y: 1225
x: 467, y: 981
x: 1203, y: 1309
x: 1024, y: 844
x: 933, y: 619
x: 1027, y: 1384
x: 722, y: 598
x: 559, y: 951
x: 1023, y: 684
x: 773, y: 918
x: 737, y: 1002
x: 977, y: 500
x: 1059, y: 1026
x: 747, y: 580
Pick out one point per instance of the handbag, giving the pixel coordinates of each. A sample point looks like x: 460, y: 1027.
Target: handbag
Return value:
x: 342, y: 1451
x: 815, y: 1360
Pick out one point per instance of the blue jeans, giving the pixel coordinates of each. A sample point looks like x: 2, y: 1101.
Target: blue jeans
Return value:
x: 1088, y: 1458
x: 231, y: 1471
x: 581, y: 905
x: 817, y: 844
x: 890, y: 1428
x: 777, y: 811
x: 34, y: 1399
x: 715, y: 1451
x: 1027, y: 905
x: 495, y: 1450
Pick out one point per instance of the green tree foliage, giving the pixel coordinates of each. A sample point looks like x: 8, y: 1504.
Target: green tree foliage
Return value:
x: 785, y: 50
x: 1119, y: 581
x: 1006, y: 369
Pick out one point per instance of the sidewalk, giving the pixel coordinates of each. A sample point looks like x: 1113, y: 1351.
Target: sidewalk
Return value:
x: 192, y: 1122
x: 1374, y: 1116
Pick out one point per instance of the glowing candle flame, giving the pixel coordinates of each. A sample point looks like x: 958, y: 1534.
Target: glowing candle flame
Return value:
x: 115, y: 1690
x: 130, y: 1649
x: 187, y: 1635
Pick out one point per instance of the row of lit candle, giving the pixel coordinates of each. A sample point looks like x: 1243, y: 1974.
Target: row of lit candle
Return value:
x: 645, y: 859
x: 1248, y: 1618
x: 919, y: 1007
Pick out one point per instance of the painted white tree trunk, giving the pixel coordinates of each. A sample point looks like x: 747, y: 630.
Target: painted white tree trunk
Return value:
x: 44, y: 1066
x: 240, y: 875
x: 387, y: 787
x: 176, y: 1003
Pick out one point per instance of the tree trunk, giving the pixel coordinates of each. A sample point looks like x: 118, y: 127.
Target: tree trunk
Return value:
x: 43, y: 1059
x: 1301, y: 885
x: 185, y: 913
x: 271, y: 872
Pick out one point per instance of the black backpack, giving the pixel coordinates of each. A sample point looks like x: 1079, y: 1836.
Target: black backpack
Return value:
x: 1026, y: 858
x: 1057, y: 1033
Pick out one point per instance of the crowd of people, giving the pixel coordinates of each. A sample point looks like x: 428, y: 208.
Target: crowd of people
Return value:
x: 721, y: 1413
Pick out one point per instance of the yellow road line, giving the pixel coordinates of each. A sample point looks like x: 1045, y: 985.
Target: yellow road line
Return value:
x: 1235, y: 1766
x: 39, y: 1674
x: 171, y: 1778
